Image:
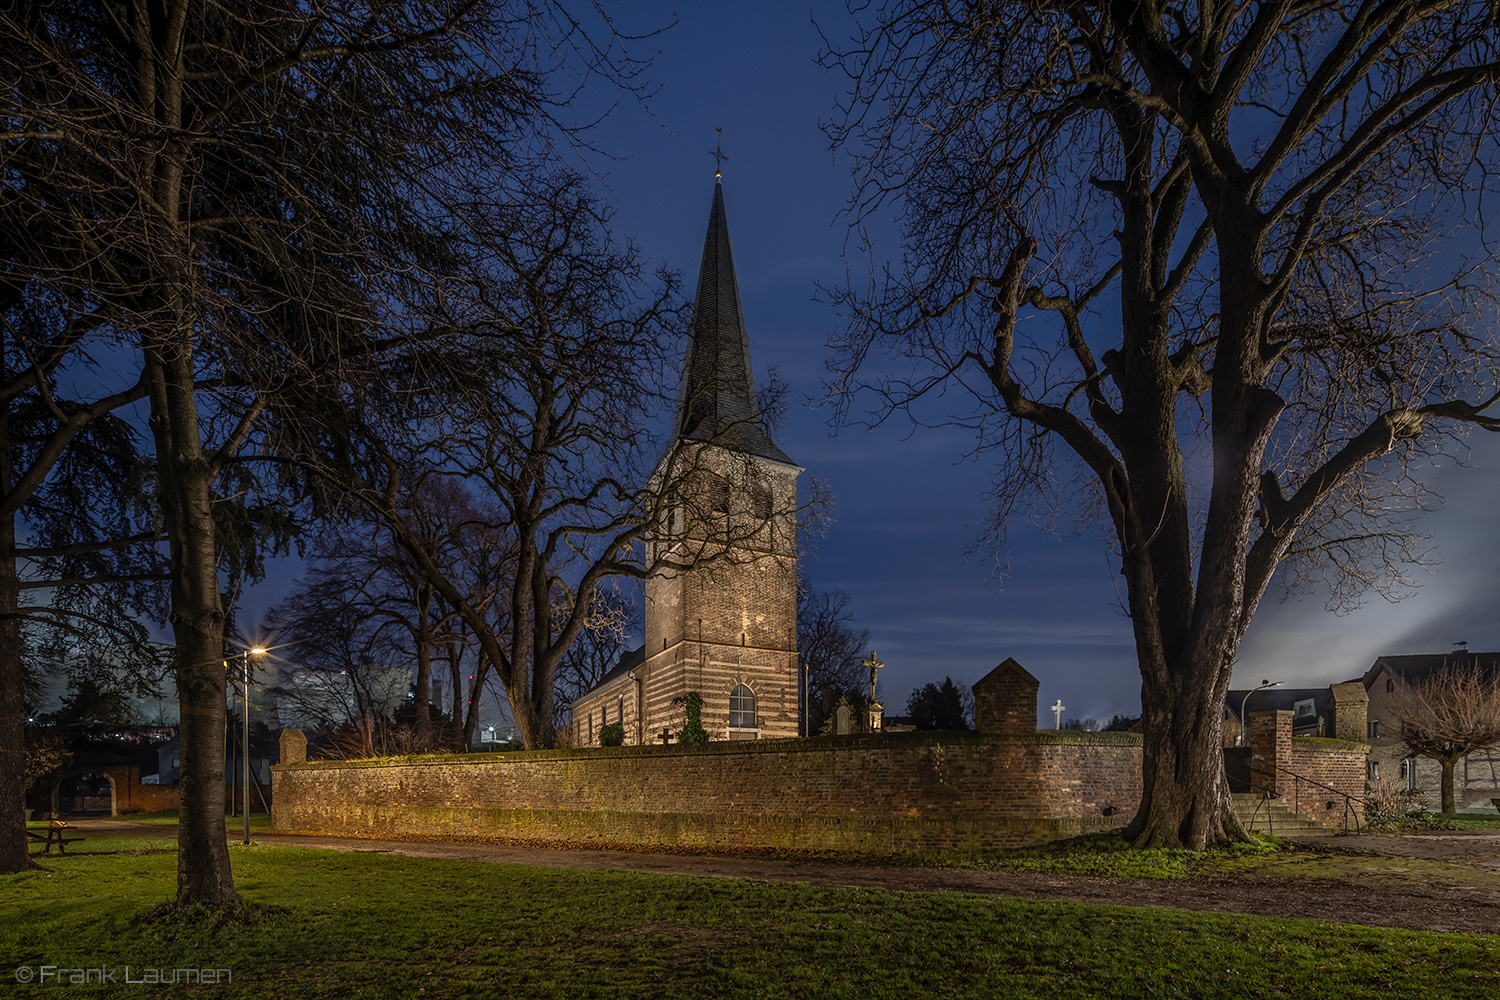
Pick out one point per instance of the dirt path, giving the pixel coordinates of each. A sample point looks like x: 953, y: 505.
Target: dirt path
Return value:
x: 1431, y: 881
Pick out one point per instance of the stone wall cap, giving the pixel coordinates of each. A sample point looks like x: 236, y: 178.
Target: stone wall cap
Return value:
x: 831, y: 744
x: 1349, y: 692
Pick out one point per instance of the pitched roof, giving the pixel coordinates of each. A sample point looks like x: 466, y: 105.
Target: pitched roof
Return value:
x: 716, y: 399
x: 1420, y: 666
x: 627, y: 662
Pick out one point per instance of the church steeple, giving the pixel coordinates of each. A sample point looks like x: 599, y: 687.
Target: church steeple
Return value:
x: 716, y: 401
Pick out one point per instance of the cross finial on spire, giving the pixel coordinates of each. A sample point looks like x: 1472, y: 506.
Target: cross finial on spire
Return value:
x: 718, y: 154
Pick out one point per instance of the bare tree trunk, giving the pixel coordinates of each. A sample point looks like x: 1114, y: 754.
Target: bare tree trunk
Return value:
x: 424, y: 667
x: 14, y: 855
x: 1449, y: 764
x: 1185, y: 797
x: 186, y: 485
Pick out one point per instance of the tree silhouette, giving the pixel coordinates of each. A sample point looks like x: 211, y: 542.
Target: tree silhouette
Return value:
x: 1191, y: 265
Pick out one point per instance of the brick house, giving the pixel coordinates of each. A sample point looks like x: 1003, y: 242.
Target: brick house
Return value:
x: 1476, y: 779
x: 726, y: 629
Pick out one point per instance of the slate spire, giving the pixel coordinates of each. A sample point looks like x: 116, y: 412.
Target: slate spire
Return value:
x: 716, y: 400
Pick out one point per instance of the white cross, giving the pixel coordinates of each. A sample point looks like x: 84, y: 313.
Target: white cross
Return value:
x: 1057, y: 711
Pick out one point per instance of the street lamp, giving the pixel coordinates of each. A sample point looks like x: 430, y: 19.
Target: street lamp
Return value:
x: 245, y: 742
x: 1245, y: 732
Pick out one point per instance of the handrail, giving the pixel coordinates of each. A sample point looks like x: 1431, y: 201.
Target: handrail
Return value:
x: 1349, y: 800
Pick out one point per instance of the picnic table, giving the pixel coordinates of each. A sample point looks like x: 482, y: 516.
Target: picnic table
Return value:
x: 57, y: 833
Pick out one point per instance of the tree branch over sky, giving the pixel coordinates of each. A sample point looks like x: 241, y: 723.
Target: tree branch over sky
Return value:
x: 541, y: 401
x: 1191, y: 266
x: 251, y: 194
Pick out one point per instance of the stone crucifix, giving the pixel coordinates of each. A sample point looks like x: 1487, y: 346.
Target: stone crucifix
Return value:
x: 1057, y: 710
x: 874, y: 665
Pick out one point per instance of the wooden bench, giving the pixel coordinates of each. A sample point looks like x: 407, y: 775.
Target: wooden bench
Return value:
x: 56, y: 834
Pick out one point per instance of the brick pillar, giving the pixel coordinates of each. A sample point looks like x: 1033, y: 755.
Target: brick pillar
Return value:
x: 1270, y: 746
x: 293, y: 746
x: 1005, y: 700
x: 1350, y: 704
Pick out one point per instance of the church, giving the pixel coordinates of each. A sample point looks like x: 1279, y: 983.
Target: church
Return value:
x: 721, y: 617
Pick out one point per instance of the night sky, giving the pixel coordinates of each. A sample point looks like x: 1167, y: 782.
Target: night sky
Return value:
x: 909, y: 508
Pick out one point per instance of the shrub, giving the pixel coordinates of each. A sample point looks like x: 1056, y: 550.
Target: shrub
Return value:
x: 1412, y: 819
x: 612, y: 735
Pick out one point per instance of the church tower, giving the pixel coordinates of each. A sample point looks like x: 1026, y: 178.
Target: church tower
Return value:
x: 723, y: 626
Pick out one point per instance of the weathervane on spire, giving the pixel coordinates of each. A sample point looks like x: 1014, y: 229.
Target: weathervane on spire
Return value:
x: 718, y: 154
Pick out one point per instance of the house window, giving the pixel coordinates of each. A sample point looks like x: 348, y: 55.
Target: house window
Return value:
x: 591, y: 728
x: 1390, y: 685
x: 741, y: 708
x: 1374, y: 729
x: 1374, y: 770
x: 1303, y: 708
x: 1409, y: 774
x: 620, y: 709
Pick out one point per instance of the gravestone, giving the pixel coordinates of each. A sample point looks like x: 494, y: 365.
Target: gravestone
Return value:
x: 841, y: 716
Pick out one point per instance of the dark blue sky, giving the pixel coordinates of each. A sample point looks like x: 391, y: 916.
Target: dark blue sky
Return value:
x: 909, y: 509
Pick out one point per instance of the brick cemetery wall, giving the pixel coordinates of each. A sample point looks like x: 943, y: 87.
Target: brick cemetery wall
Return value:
x: 887, y: 792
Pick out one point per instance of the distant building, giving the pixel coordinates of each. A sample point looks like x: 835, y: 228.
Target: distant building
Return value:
x: 727, y: 630
x: 1476, y: 778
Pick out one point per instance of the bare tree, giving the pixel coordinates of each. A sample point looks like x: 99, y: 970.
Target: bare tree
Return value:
x: 1189, y: 247
x: 542, y: 400
x: 596, y: 651
x: 366, y: 609
x: 1448, y: 715
x: 248, y: 190
x: 75, y: 516
x: 831, y: 649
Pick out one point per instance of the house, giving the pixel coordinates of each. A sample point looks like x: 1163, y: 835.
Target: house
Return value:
x: 1476, y: 778
x: 1311, y: 708
x: 726, y: 628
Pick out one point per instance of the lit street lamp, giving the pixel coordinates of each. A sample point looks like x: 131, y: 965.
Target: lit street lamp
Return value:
x: 245, y: 743
x: 1244, y: 731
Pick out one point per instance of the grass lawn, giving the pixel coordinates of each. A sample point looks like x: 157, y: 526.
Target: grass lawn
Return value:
x: 343, y: 924
x: 168, y: 817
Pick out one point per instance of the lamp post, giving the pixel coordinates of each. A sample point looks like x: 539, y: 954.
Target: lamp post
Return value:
x: 245, y: 742
x: 1245, y: 732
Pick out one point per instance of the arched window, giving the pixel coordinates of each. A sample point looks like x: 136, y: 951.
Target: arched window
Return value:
x: 741, y: 708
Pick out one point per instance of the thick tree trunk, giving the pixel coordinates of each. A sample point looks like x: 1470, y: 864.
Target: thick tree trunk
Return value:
x: 14, y: 854
x: 1185, y: 799
x: 1448, y: 798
